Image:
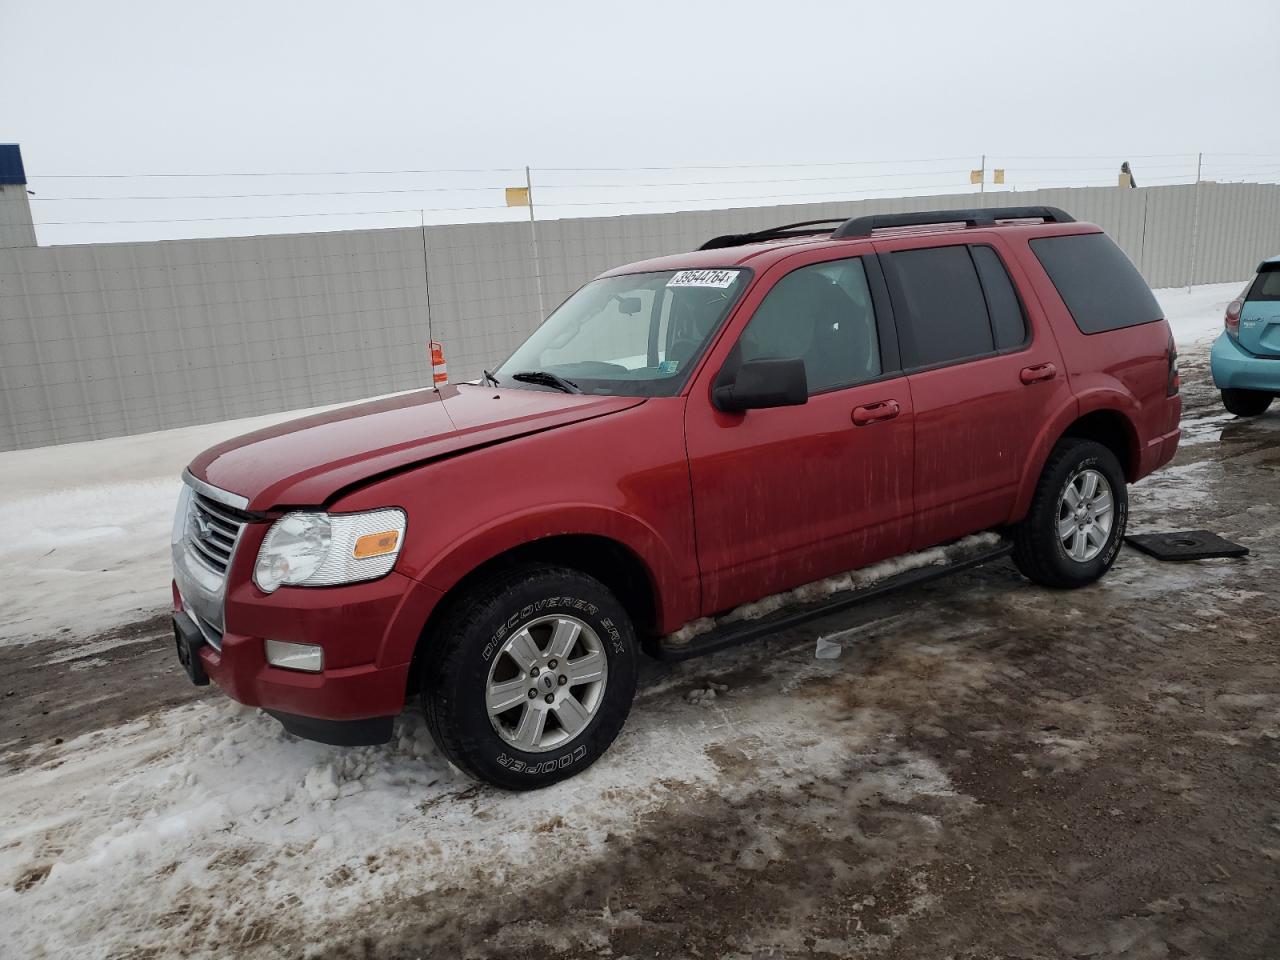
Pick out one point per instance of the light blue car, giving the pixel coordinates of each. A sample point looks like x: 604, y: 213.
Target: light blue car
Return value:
x: 1246, y: 357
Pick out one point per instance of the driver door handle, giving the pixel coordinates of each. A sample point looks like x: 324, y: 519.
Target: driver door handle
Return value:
x: 875, y: 412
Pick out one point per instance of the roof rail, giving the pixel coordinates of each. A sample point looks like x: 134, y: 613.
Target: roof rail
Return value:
x: 863, y: 226
x: 773, y: 233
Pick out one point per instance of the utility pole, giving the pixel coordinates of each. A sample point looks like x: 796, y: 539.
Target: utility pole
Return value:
x: 982, y: 184
x: 1195, y: 224
x: 533, y: 233
x: 426, y: 272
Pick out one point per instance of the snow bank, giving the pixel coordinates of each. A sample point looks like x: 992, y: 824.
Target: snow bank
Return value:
x: 188, y: 832
x: 1195, y: 314
x: 840, y: 583
x: 86, y: 544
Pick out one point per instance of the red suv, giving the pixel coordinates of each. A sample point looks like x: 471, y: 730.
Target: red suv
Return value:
x: 680, y: 437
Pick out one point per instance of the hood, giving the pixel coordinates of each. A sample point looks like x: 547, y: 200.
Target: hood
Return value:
x: 306, y: 462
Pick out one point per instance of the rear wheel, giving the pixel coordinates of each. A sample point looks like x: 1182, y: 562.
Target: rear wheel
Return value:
x: 1246, y: 403
x: 531, y: 677
x: 1073, y: 531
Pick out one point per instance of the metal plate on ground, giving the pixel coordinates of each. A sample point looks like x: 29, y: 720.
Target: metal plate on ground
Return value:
x: 1186, y: 545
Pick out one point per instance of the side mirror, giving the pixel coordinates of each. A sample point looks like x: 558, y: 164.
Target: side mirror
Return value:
x: 763, y: 383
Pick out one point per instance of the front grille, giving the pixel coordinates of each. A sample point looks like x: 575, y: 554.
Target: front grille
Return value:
x: 212, y: 531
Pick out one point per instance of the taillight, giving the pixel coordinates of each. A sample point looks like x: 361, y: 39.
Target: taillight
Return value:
x: 1175, y: 378
x: 1232, y: 319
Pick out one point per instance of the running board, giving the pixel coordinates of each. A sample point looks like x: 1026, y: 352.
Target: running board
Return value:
x: 736, y: 633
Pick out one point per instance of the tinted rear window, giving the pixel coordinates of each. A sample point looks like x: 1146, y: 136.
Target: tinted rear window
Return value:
x: 1098, y: 283
x: 1266, y: 286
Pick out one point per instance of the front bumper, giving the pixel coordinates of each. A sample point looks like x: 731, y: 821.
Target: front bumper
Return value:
x: 1236, y: 369
x: 368, y: 632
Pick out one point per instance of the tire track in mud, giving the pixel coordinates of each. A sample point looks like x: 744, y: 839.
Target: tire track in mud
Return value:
x: 53, y: 690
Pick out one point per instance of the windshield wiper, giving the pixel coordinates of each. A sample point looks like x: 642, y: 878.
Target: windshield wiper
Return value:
x: 547, y: 379
x: 490, y: 378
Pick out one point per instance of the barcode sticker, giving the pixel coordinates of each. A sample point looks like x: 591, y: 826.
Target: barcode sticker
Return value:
x: 703, y: 278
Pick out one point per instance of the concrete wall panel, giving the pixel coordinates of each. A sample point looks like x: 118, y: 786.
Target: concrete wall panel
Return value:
x: 107, y: 339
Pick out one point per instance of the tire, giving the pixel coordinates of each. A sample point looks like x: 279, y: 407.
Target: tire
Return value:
x: 478, y: 646
x: 1246, y: 403
x: 1039, y: 551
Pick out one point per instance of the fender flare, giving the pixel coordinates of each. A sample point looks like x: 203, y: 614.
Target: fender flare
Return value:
x: 1097, y: 399
x: 676, y: 591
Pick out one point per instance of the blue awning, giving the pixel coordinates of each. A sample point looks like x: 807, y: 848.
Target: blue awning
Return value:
x: 11, y: 164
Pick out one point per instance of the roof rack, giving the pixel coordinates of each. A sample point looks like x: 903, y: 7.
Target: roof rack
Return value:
x: 773, y: 233
x: 864, y: 226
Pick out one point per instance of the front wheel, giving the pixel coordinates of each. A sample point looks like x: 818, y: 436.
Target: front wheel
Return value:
x: 1246, y: 403
x: 530, y: 676
x: 1073, y: 531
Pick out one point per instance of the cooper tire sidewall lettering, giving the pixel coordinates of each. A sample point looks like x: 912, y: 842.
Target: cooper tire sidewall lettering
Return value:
x: 507, y: 611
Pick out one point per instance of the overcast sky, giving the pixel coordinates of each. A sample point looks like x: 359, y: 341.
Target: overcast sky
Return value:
x: 1053, y: 92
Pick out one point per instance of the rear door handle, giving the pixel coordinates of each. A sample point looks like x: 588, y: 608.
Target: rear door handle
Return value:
x: 875, y: 412
x: 1038, y: 373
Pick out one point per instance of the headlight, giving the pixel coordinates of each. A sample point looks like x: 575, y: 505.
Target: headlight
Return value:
x: 317, y: 549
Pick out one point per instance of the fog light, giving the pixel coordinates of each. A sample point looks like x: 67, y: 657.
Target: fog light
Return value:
x: 295, y: 656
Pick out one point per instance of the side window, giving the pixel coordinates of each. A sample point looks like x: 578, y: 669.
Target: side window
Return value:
x: 821, y: 314
x: 947, y: 312
x: 1098, y: 283
x: 1007, y: 320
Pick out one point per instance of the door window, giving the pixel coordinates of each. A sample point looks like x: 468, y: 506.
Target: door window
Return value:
x: 1008, y: 323
x: 821, y: 314
x: 946, y: 311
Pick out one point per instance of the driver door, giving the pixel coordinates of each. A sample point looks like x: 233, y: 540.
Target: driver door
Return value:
x: 789, y: 495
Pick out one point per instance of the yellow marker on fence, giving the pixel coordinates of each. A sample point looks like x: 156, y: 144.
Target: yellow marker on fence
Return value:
x: 517, y: 196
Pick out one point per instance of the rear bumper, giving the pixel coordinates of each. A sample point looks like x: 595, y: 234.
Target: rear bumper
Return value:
x: 367, y: 633
x: 1235, y: 369
x: 1158, y: 452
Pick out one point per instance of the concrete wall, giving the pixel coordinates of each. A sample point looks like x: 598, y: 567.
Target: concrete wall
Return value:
x: 108, y: 339
x: 15, y: 217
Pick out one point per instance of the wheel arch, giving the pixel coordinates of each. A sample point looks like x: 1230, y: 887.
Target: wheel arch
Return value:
x: 614, y: 563
x: 1107, y: 422
x: 1115, y: 431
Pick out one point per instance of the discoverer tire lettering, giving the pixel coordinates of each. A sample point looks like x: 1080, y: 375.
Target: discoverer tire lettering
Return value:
x: 460, y: 655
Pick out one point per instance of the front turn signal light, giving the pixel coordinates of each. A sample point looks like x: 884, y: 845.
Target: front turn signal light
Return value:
x: 376, y: 544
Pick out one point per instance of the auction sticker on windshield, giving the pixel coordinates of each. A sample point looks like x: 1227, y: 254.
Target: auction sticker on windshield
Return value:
x: 703, y: 278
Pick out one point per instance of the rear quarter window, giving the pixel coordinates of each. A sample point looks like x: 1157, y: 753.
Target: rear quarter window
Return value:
x: 1098, y: 283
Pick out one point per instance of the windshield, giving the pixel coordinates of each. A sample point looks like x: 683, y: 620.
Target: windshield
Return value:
x: 636, y: 335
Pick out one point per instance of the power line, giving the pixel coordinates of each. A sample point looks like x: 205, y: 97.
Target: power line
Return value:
x: 296, y: 173
x: 268, y: 216
x: 579, y: 203
x: 545, y: 186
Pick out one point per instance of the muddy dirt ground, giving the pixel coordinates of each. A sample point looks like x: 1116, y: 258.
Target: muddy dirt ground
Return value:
x: 1102, y: 767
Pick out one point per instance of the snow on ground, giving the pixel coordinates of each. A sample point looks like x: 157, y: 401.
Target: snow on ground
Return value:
x: 208, y: 819
x: 88, y: 525
x: 840, y: 583
x: 1195, y: 313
